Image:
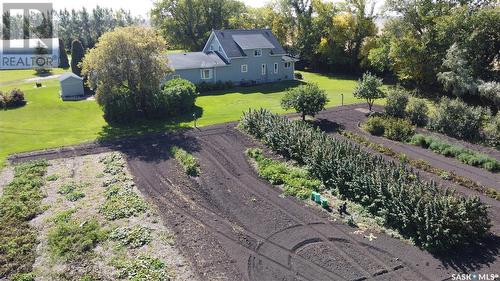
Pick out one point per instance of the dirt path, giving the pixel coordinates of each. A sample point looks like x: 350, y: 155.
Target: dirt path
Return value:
x: 349, y: 117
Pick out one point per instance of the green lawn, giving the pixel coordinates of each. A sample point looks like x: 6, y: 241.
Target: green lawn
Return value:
x: 47, y: 122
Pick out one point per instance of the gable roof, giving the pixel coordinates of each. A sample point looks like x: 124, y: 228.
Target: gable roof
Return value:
x: 68, y: 75
x: 234, y: 41
x: 195, y: 60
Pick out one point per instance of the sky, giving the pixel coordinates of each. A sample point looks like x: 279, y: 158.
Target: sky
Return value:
x: 136, y: 7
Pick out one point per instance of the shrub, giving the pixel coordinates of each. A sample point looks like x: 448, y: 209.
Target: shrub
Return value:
x: 397, y: 99
x: 15, y: 98
x: 398, y: 129
x: 133, y: 237
x: 176, y: 97
x: 434, y: 217
x: 456, y: 119
x: 298, y: 76
x: 374, y: 125
x: 492, y: 131
x: 306, y: 99
x: 119, y: 105
x: 462, y: 154
x: 392, y: 128
x: 417, y: 112
x: 3, y: 103
x: 70, y: 240
x: 219, y: 85
x: 187, y: 161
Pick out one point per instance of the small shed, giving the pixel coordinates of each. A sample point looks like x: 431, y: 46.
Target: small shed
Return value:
x: 71, y: 87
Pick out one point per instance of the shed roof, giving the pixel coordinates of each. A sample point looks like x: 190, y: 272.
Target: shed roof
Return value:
x: 68, y: 75
x: 195, y: 60
x: 234, y: 41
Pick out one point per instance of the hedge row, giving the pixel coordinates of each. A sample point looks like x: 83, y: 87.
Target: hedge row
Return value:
x: 433, y: 217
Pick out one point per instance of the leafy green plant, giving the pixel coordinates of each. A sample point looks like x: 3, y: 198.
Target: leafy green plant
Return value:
x: 434, y: 217
x: 72, y: 191
x: 144, y: 268
x: 187, y: 161
x: 133, y: 237
x: 296, y: 181
x: 52, y: 177
x: 72, y: 239
x: 121, y: 202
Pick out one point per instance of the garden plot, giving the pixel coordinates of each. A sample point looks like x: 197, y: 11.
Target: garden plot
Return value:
x: 98, y: 227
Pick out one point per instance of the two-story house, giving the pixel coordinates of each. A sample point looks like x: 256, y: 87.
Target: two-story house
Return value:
x: 240, y: 56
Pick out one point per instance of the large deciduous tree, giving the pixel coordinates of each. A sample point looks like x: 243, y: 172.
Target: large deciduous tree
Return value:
x: 186, y: 24
x: 126, y: 68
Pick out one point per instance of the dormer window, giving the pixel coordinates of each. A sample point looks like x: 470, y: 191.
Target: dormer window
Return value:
x: 211, y: 48
x: 257, y: 53
x: 220, y: 48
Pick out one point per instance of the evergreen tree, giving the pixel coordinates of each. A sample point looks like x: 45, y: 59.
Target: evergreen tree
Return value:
x: 77, y: 54
x: 63, y: 57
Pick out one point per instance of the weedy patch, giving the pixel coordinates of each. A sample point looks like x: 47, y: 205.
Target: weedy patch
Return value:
x: 143, y: 268
x: 122, y: 202
x: 132, y: 237
x: 72, y: 191
x: 188, y: 162
x: 20, y: 202
x: 70, y: 240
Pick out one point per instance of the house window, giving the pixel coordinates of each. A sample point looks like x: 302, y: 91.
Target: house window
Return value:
x: 244, y: 68
x: 206, y: 74
x: 264, y: 69
x: 257, y: 53
x: 288, y: 64
x: 275, y: 68
x: 211, y: 48
x: 220, y: 48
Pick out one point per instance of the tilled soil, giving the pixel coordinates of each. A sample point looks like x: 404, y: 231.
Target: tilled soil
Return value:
x: 235, y: 226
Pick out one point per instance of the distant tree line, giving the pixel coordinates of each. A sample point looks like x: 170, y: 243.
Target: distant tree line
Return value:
x: 438, y: 47
x: 83, y: 25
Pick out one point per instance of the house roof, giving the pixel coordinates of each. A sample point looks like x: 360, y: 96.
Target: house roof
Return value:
x: 68, y: 75
x: 234, y: 41
x: 195, y: 60
x: 252, y: 41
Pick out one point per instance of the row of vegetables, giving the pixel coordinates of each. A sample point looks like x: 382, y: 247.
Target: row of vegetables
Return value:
x: 433, y: 217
